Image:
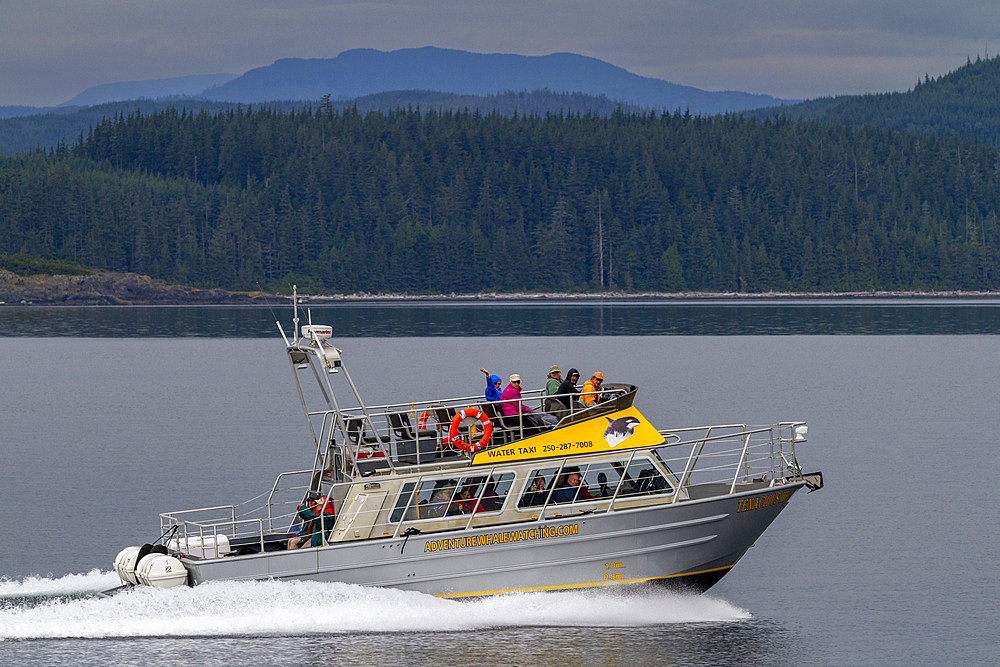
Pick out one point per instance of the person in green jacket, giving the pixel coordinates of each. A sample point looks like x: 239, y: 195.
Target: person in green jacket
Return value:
x: 314, y: 511
x: 553, y: 381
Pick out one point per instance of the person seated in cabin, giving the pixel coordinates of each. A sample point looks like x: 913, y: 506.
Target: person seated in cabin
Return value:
x: 590, y: 389
x: 569, y: 394
x: 568, y: 487
x: 493, y: 383
x: 512, y: 405
x: 316, y: 513
x: 490, y: 502
x: 440, y: 498
x: 535, y: 494
x: 464, y: 503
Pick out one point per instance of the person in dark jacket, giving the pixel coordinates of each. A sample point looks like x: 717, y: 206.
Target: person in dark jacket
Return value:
x: 568, y: 386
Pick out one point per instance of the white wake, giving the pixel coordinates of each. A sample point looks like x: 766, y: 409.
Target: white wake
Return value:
x: 296, y: 608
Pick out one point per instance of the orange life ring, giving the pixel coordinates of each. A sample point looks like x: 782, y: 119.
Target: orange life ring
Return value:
x: 422, y: 421
x: 474, y: 413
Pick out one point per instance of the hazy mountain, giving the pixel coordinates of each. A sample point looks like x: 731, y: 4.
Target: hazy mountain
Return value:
x: 178, y: 86
x: 362, y: 72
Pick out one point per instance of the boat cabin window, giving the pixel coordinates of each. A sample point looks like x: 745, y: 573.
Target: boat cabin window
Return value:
x: 595, y: 481
x: 452, y: 496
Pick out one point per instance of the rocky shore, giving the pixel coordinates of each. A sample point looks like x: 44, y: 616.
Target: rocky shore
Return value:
x: 103, y: 288
x: 108, y: 288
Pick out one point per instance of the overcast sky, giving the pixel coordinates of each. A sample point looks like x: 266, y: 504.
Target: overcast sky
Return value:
x: 50, y: 50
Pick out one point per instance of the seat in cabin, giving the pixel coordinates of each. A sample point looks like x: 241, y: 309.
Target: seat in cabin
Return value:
x: 356, y: 436
x: 412, y: 447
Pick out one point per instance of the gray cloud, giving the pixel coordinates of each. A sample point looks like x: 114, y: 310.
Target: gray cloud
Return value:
x: 52, y: 50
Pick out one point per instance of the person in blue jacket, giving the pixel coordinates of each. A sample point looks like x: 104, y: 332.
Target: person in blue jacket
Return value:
x: 493, y: 383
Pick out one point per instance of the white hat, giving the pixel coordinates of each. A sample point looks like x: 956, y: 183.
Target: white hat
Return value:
x: 515, y: 378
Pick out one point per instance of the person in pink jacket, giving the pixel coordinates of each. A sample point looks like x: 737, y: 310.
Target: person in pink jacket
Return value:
x: 511, y: 404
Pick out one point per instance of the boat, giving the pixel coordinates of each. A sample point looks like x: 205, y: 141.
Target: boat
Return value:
x: 453, y: 498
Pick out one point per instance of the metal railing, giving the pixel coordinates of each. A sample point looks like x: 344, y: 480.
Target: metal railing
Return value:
x: 696, y: 463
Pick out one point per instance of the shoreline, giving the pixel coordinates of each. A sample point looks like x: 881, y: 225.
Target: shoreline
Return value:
x: 131, y: 289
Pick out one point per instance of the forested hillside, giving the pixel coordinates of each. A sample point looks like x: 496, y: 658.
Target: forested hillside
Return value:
x: 964, y: 104
x: 341, y: 201
x: 26, y: 133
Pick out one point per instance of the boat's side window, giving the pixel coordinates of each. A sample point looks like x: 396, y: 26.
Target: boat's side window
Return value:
x: 601, y: 479
x: 495, y: 492
x: 642, y: 478
x: 406, y: 499
x: 452, y: 496
x: 434, y: 498
x: 536, y: 489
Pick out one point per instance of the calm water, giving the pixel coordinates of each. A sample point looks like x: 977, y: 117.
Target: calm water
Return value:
x: 539, y: 317
x: 110, y: 416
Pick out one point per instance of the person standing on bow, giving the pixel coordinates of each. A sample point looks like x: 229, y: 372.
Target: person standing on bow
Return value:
x: 493, y: 383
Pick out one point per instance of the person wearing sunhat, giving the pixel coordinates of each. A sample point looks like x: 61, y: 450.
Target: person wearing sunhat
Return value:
x: 591, y: 387
x: 553, y: 381
x: 512, y: 405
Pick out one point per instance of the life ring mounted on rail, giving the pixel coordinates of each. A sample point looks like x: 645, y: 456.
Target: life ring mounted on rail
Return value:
x: 470, y: 413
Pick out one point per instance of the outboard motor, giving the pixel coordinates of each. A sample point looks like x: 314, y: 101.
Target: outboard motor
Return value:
x: 149, y: 565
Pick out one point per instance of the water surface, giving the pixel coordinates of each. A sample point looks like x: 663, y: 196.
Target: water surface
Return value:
x: 892, y: 563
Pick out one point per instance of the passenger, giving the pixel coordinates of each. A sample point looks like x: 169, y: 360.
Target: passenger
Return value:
x: 553, y: 381
x: 512, y: 405
x: 464, y: 503
x: 493, y: 383
x: 310, y: 511
x: 566, y: 488
x: 438, y: 503
x: 591, y: 387
x: 568, y: 389
x: 490, y: 502
x: 535, y: 494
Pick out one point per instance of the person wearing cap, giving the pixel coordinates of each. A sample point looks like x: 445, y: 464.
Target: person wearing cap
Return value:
x: 493, y: 383
x: 310, y: 511
x: 591, y: 387
x: 553, y: 381
x: 512, y: 405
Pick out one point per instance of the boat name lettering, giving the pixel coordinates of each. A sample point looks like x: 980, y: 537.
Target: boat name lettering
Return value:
x: 501, y: 538
x: 510, y: 451
x: 747, y: 504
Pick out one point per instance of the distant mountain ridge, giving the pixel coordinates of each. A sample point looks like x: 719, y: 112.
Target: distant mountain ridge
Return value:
x: 150, y: 89
x: 963, y: 104
x: 360, y: 72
